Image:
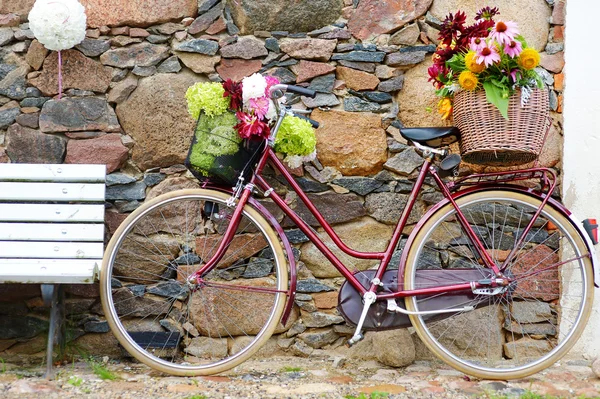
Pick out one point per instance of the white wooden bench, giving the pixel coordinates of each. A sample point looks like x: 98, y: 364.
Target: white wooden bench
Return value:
x: 51, y: 231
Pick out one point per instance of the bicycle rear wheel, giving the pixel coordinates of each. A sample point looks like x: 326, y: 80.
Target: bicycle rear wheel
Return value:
x: 192, y: 328
x: 523, y: 328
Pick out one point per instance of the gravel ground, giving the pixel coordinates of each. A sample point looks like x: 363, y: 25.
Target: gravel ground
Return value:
x: 324, y: 375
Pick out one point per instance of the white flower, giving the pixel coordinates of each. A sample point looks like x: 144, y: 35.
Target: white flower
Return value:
x: 295, y: 161
x: 272, y: 112
x: 58, y: 24
x: 253, y: 86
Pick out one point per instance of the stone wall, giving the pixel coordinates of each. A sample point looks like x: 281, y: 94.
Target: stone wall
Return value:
x: 125, y: 107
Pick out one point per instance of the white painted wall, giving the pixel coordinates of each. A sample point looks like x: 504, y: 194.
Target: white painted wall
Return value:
x: 581, y: 161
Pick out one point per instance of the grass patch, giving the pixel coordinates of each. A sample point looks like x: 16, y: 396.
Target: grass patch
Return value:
x: 196, y: 397
x: 75, y: 381
x: 290, y: 369
x: 530, y: 395
x: 373, y: 395
x: 101, y: 371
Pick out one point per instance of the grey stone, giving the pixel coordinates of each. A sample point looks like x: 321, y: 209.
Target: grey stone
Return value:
x: 114, y: 179
x: 546, y: 76
x: 321, y: 100
x: 12, y: 86
x: 152, y: 179
x: 361, y: 66
x: 395, y: 146
x: 127, y: 206
x: 167, y: 29
x: 96, y: 327
x: 34, y: 101
x: 430, y: 48
x: 391, y: 85
x: 28, y: 120
x: 328, y: 205
x: 287, y: 63
x: 404, y: 163
x: 531, y: 312
x: 284, y: 75
x: 170, y: 289
x: 285, y: 343
x: 365, y: 47
x: 553, y: 48
x: 319, y: 338
x: 206, y: 19
x: 119, y: 74
x: 311, y: 186
x: 258, y: 267
x: 320, y: 319
x: 355, y: 104
x: 93, y: 47
x: 431, y: 20
x: 344, y: 47
x: 188, y: 259
x: 296, y: 16
x: 6, y: 36
x: 378, y: 97
x: 127, y: 192
x: 272, y: 44
x: 407, y: 35
x: 405, y: 58
x: 387, y: 207
x: 205, y: 5
x: 360, y: 56
x: 553, y: 100
x: 247, y: 47
x: 359, y: 185
x: 301, y: 349
x: 340, y: 34
x: 121, y: 91
x: 323, y: 84
x: 200, y: 46
x: 312, y: 285
x: 24, y: 34
x: 78, y: 114
x: 8, y: 116
x: 142, y: 54
x: 157, y: 39
x: 296, y: 236
x: 24, y: 145
x: 33, y: 92
x: 144, y: 71
x: 21, y: 326
x: 308, y: 306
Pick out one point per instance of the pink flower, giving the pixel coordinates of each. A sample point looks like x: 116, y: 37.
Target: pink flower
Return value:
x: 250, y: 126
x: 488, y: 55
x: 477, y: 43
x: 271, y: 81
x: 513, y: 74
x: 513, y: 49
x: 259, y: 106
x: 504, y: 32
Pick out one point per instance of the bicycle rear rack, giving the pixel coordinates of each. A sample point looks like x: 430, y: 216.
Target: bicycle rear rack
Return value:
x: 546, y: 177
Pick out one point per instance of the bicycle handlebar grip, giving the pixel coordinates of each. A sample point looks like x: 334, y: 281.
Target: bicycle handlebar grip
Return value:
x: 302, y: 91
x: 313, y: 122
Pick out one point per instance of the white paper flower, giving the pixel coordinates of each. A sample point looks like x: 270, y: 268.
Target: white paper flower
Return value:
x: 272, y: 112
x: 295, y: 161
x: 58, y: 24
x: 253, y: 86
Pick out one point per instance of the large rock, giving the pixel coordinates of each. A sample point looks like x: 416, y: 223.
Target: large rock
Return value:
x: 78, y: 114
x: 284, y: 15
x: 20, y: 7
x: 531, y: 15
x: 139, y: 264
x: 156, y: 116
x: 79, y: 72
x: 394, y: 348
x: 355, y: 144
x: 142, y: 54
x: 416, y: 97
x: 308, y: 49
x: 108, y: 150
x: 13, y: 71
x: 374, y: 17
x: 328, y: 205
x: 140, y: 13
x: 24, y: 145
x: 365, y: 234
x: 247, y: 47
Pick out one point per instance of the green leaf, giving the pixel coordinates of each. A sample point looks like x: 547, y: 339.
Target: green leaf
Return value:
x: 493, y: 94
x: 456, y: 63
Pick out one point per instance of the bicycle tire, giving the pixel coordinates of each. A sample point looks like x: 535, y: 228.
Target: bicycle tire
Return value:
x: 533, y: 323
x: 184, y: 329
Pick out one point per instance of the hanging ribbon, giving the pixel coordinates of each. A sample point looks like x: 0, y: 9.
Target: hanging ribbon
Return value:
x: 60, y: 90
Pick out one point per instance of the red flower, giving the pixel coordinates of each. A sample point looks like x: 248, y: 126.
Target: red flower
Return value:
x: 452, y: 26
x: 233, y: 90
x: 487, y: 13
x: 436, y: 73
x: 250, y: 126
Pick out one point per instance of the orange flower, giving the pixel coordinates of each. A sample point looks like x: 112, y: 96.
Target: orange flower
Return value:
x: 471, y: 63
x: 445, y: 108
x: 529, y: 58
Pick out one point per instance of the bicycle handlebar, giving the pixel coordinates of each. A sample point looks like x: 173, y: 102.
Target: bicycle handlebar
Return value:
x: 303, y: 91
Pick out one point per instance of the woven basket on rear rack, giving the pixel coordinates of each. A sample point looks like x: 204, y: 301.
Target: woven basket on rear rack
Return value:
x: 488, y: 138
x: 217, y: 154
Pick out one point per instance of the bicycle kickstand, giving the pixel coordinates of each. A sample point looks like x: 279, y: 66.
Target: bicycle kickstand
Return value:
x: 369, y: 299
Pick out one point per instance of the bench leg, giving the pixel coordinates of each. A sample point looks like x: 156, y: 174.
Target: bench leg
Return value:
x: 53, y: 295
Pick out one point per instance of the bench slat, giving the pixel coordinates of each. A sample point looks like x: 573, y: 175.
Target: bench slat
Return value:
x: 18, y: 191
x: 51, y: 232
x: 46, y: 172
x: 49, y: 271
x: 43, y: 249
x: 51, y: 213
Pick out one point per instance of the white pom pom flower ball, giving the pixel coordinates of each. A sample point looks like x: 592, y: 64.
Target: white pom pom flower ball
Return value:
x: 58, y: 24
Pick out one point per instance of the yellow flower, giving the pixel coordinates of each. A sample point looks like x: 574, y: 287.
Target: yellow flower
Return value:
x: 445, y: 108
x: 529, y: 58
x: 471, y: 63
x: 468, y: 80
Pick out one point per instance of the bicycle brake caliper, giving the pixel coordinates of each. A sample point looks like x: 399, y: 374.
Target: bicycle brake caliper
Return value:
x: 237, y: 192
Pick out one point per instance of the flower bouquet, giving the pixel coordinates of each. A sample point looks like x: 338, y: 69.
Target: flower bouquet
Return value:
x: 485, y: 75
x: 234, y: 121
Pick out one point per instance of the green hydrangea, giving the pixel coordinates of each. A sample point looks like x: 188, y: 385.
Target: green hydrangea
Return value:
x: 206, y: 97
x: 215, y: 136
x: 296, y: 136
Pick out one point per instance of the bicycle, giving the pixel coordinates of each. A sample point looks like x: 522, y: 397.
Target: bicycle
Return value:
x: 496, y: 278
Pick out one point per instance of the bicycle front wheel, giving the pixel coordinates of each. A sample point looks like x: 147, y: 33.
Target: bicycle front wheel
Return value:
x: 513, y: 331
x: 184, y: 327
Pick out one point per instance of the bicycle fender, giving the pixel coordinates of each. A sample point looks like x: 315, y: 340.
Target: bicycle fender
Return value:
x: 290, y: 256
x: 553, y: 202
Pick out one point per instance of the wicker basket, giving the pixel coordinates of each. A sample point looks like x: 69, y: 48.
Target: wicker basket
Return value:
x: 488, y: 138
x: 218, y: 158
